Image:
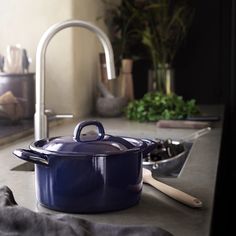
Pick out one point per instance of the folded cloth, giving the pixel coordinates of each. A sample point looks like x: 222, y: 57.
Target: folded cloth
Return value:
x: 16, y: 220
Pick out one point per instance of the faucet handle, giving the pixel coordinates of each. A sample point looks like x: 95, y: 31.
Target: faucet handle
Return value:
x: 61, y: 116
x: 51, y: 115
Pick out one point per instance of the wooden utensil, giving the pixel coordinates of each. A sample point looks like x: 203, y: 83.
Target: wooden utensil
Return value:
x: 170, y: 191
x: 183, y: 124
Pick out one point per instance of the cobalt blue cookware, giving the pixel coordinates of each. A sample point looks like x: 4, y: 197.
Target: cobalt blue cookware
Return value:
x: 87, y: 172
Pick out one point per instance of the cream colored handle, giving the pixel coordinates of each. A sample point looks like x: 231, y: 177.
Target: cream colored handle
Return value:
x: 173, y: 192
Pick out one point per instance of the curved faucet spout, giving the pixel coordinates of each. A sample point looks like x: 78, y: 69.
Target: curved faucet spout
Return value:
x: 40, y: 119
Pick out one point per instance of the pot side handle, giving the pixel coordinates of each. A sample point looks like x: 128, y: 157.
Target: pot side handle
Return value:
x: 28, y: 155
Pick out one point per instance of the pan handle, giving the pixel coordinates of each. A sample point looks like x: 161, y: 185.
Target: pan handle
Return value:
x: 31, y: 156
x: 150, y: 145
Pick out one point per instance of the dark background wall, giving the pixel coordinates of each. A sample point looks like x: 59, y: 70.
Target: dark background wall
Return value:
x: 198, y: 62
x: 224, y: 208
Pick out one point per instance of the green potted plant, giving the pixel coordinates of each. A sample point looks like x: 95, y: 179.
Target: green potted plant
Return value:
x: 122, y: 28
x: 165, y: 25
x: 119, y: 19
x: 157, y: 28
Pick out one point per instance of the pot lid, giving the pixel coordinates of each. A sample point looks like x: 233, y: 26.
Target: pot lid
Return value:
x: 91, y: 142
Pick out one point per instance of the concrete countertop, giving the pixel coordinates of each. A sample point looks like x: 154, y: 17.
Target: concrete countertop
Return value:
x: 197, y: 178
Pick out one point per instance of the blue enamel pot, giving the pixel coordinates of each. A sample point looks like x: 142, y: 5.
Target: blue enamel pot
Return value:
x: 88, y: 172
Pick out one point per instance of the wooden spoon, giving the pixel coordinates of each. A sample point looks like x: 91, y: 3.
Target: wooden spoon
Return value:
x: 170, y: 191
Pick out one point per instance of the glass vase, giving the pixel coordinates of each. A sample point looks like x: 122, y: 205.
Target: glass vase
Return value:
x: 162, y: 79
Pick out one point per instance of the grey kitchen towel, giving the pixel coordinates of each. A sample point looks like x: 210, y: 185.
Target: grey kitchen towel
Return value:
x: 17, y: 221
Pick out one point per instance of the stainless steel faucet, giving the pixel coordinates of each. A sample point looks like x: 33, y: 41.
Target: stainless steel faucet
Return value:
x: 40, y: 118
